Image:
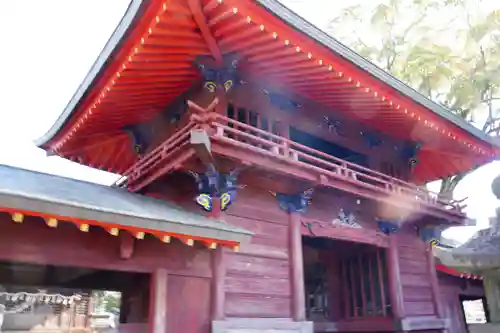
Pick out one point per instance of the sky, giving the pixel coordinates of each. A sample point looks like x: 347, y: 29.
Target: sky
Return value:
x: 49, y: 46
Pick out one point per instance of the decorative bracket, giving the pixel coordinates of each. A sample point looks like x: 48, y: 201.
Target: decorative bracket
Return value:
x: 387, y: 227
x: 409, y: 153
x: 346, y: 220
x: 213, y: 184
x: 430, y: 234
x: 294, y: 203
x: 224, y: 75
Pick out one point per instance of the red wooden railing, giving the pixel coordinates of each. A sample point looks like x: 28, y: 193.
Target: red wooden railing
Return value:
x: 231, y: 130
x: 175, y: 150
x: 160, y: 160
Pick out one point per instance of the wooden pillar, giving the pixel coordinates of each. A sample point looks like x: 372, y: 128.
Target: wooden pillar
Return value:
x: 218, y: 270
x: 158, y: 301
x: 297, y: 268
x: 436, y: 295
x: 218, y: 276
x: 492, y: 293
x: 394, y: 277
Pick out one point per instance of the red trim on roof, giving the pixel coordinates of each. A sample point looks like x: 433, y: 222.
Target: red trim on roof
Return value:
x: 453, y: 272
x: 154, y: 65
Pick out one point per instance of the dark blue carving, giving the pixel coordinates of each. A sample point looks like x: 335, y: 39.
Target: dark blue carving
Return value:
x: 213, y: 184
x: 137, y: 137
x: 430, y: 234
x: 295, y: 203
x: 409, y: 153
x: 371, y: 139
x: 331, y: 124
x: 282, y: 102
x: 387, y: 227
x: 225, y: 75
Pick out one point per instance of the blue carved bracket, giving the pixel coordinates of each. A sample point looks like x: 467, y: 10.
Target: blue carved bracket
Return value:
x: 409, y: 153
x: 138, y: 138
x: 213, y: 184
x: 430, y: 234
x: 387, y: 227
x: 225, y: 75
x: 294, y: 203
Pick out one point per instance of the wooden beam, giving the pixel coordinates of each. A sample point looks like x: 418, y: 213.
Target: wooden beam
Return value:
x: 436, y: 295
x: 200, y: 141
x: 199, y: 18
x: 218, y: 277
x: 297, y: 268
x: 158, y: 301
x: 127, y: 244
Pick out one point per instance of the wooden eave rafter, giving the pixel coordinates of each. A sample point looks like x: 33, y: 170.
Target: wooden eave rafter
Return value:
x: 153, y: 64
x: 114, y: 229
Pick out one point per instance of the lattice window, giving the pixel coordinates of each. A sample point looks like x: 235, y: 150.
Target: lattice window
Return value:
x: 364, y: 284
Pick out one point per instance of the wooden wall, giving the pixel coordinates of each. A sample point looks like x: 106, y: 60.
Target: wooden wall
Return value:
x: 415, y: 275
x: 257, y: 280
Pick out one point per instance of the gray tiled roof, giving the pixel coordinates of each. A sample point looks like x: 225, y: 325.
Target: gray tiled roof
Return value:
x: 39, y: 192
x: 484, y: 242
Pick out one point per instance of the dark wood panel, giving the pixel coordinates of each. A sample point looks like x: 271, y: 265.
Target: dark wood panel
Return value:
x: 236, y: 263
x: 188, y: 304
x: 419, y: 308
x: 263, y: 251
x: 272, y: 215
x: 265, y: 286
x: 259, y: 227
x: 254, y: 306
x: 415, y: 280
x: 413, y: 266
x: 417, y: 294
x: 418, y: 256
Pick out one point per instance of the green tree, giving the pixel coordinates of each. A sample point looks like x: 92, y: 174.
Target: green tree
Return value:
x: 448, y: 50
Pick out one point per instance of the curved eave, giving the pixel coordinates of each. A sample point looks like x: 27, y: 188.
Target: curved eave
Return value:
x: 111, y: 48
x: 311, y: 31
x: 148, y: 62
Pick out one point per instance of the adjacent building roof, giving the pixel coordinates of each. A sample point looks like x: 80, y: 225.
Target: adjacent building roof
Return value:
x: 69, y: 199
x: 480, y: 253
x: 148, y: 62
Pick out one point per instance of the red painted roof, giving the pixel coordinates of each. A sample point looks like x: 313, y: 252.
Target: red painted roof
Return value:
x: 148, y: 62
